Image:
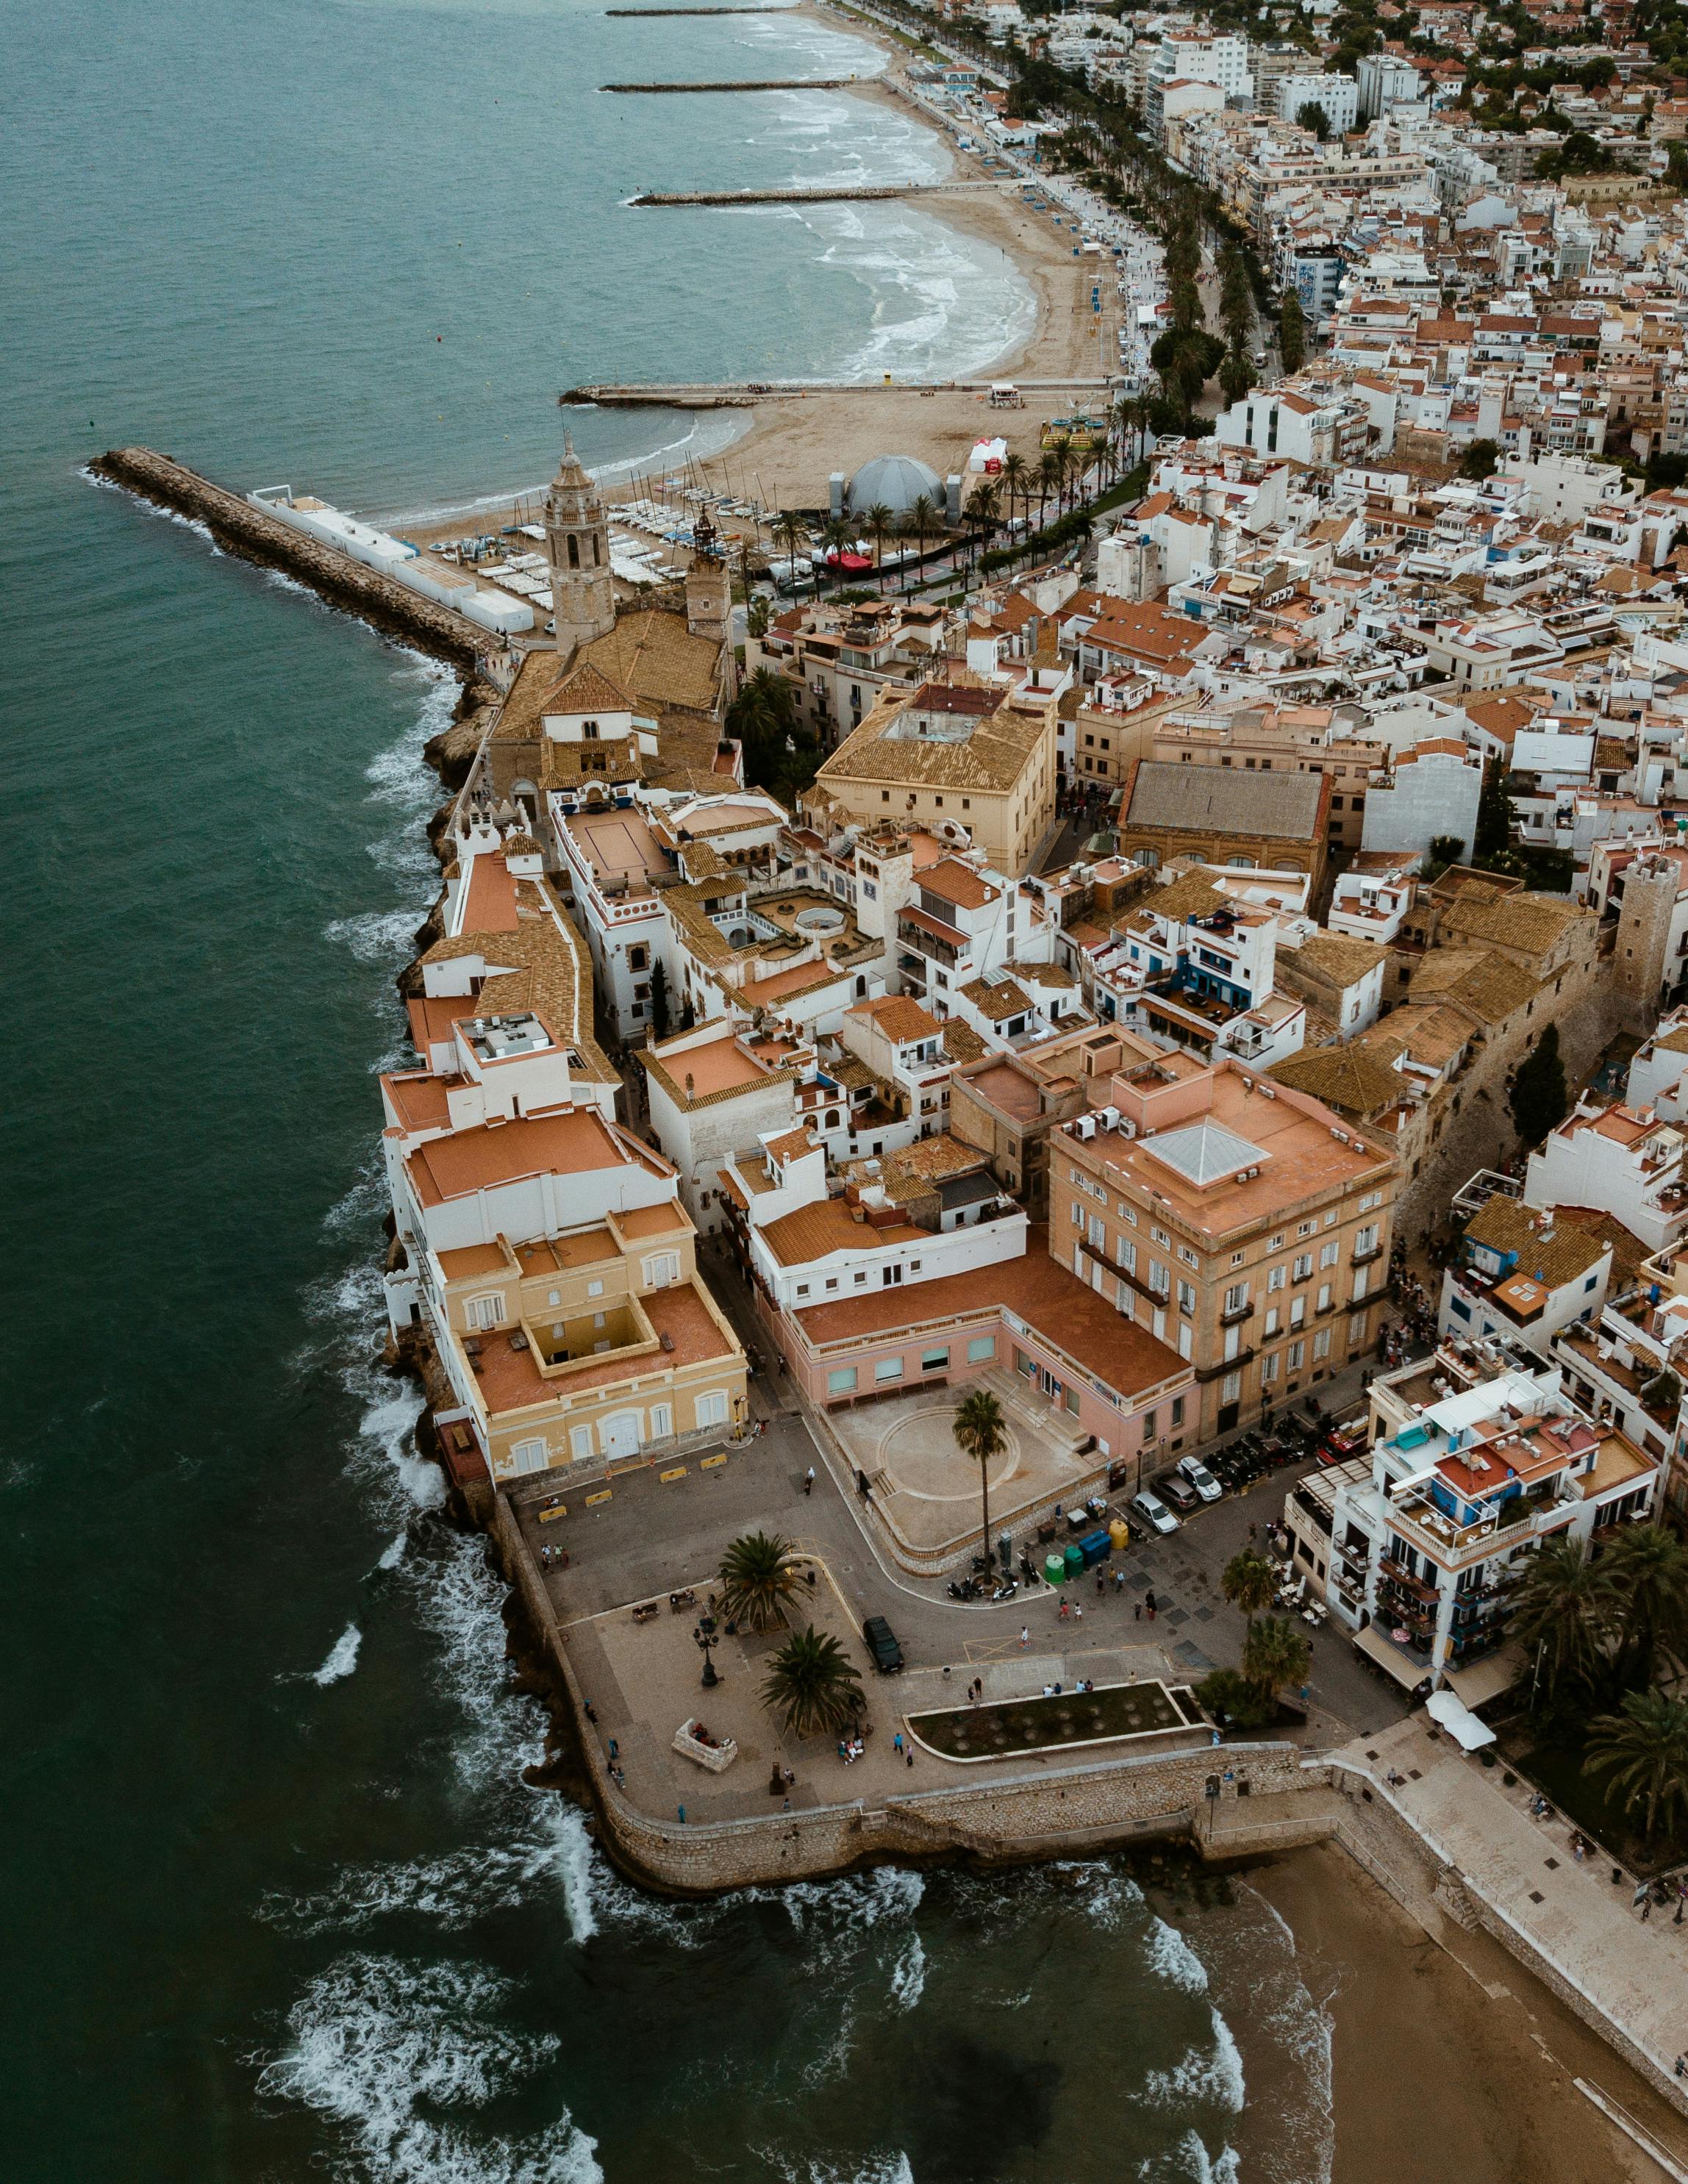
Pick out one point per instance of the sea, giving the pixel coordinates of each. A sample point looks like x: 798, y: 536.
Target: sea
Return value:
x: 278, y: 1904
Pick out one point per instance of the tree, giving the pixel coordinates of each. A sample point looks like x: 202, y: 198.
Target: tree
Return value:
x: 981, y: 1430
x: 1645, y: 1571
x: 1249, y: 1582
x: 1232, y: 1700
x: 787, y: 529
x: 756, y: 616
x: 658, y: 1000
x: 982, y: 504
x: 880, y: 523
x: 1492, y: 837
x: 1644, y: 1747
x: 1049, y: 478
x: 922, y: 521
x: 1444, y: 850
x: 1560, y: 1615
x: 838, y: 536
x: 1292, y: 332
x: 1313, y: 116
x: 1481, y: 459
x: 781, y: 753
x: 1013, y: 476
x: 1236, y: 375
x: 813, y: 1684
x: 1538, y: 1098
x: 758, y: 1576
x: 1275, y: 1653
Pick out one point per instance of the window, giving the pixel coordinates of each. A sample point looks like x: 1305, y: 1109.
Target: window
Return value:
x: 638, y: 958
x: 888, y: 1368
x: 579, y: 1443
x: 1306, y: 1228
x: 841, y: 1381
x: 1188, y: 1256
x: 1298, y: 1313
x: 1230, y: 1388
x: 1237, y: 1257
x: 803, y: 1288
x: 1324, y: 1297
x: 662, y: 1270
x: 594, y: 1288
x: 1149, y: 1425
x: 484, y: 1312
x: 1356, y: 1328
x: 529, y: 1455
x: 934, y: 1360
x: 1097, y: 1232
x: 1297, y: 1351
x: 1077, y: 1215
x: 861, y: 1278
x: 1322, y: 1343
x: 1362, y: 1277
x: 1272, y: 1323
x: 1365, y: 1239
x: 1304, y: 1266
x: 1276, y: 1278
x: 981, y: 1347
x: 1269, y: 1370
x: 1328, y: 1253
x: 1237, y: 1297
x: 1177, y: 1410
x: 832, y: 1284
x: 1186, y: 1298
x: 1276, y: 1243
x: 711, y: 1409
x: 1160, y: 1236
x: 662, y: 1421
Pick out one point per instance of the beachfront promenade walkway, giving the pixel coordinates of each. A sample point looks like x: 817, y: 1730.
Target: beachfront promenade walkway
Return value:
x: 1635, y: 1974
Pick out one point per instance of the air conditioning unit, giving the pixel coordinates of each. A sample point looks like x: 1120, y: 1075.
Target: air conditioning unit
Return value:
x: 1086, y: 1126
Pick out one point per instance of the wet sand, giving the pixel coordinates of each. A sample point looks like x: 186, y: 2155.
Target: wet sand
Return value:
x: 1450, y: 2060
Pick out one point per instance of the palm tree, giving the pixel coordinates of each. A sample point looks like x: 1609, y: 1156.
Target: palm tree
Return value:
x: 813, y: 1684
x: 923, y: 519
x: 758, y: 1575
x: 756, y: 616
x: 981, y: 1431
x: 1049, y: 476
x: 1249, y: 1582
x: 1014, y: 477
x: 1645, y: 1573
x: 1063, y: 467
x: 1644, y: 1750
x: 1561, y: 1612
x: 981, y: 509
x: 838, y: 537
x: 880, y: 523
x: 787, y: 527
x: 1275, y: 1653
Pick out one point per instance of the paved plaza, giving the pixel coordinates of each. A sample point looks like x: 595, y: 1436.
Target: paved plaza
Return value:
x: 926, y: 1488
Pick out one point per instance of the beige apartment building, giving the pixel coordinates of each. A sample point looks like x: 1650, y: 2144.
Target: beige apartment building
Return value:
x: 956, y: 753
x: 1245, y: 1225
x: 1283, y: 738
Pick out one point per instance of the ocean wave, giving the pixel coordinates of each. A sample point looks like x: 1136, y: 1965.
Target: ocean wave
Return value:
x: 460, y: 1599
x: 892, y: 2168
x: 342, y: 1657
x: 908, y: 1975
x: 1214, y: 2075
x: 375, y: 936
x: 1191, y: 2163
x: 388, y: 2049
x: 856, y: 1903
x: 393, y: 1552
x: 201, y: 530
x: 1172, y: 1958
x: 452, y: 1890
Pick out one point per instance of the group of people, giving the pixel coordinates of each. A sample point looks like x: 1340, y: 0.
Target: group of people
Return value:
x: 851, y: 1747
x: 552, y: 1558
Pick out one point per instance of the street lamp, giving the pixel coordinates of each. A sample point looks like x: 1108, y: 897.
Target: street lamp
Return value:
x: 705, y: 1642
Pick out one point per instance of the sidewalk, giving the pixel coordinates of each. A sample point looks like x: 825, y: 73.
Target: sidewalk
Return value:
x: 1634, y: 1974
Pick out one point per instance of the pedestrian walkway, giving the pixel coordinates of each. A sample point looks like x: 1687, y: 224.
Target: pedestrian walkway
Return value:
x: 1635, y: 1974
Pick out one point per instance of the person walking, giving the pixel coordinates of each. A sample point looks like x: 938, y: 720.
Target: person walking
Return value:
x: 683, y: 1815
x: 1025, y: 1637
x: 897, y: 1742
x: 808, y: 1481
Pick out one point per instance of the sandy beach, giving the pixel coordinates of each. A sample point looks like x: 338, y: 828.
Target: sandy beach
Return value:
x: 1449, y: 2059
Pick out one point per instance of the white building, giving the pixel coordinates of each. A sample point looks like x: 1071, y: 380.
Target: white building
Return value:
x: 1194, y: 56
x: 1433, y: 789
x: 1370, y: 901
x: 1385, y: 81
x: 1627, y: 1161
x: 1337, y: 95
x: 1523, y: 1275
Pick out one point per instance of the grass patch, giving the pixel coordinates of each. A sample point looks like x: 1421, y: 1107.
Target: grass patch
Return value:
x: 1015, y: 1726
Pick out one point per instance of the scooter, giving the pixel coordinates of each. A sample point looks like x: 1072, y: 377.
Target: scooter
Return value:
x: 1007, y: 1589
x: 966, y: 1588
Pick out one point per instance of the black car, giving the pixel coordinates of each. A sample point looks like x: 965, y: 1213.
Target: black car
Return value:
x: 881, y: 1644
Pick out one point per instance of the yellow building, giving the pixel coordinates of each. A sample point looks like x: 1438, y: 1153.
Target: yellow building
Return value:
x: 958, y: 753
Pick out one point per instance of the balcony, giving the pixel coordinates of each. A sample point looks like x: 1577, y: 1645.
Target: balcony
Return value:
x: 1238, y: 1313
x: 1365, y: 1258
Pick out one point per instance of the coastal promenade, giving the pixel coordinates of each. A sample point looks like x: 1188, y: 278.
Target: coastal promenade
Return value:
x: 745, y: 394
x: 844, y: 193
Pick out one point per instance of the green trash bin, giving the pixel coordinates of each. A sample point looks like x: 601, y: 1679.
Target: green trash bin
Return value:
x: 1055, y: 1570
x: 1074, y: 1560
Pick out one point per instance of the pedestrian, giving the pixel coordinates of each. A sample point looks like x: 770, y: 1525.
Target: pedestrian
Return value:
x: 1102, y: 1585
x: 1078, y: 1612
x: 1137, y: 1611
x: 1119, y: 1581
x: 908, y: 1755
x: 683, y: 1816
x: 1682, y: 2065
x: 1064, y: 1612
x: 808, y: 1481
x: 897, y: 1742
x: 1646, y: 1910
x: 592, y: 1713
x: 1025, y: 1637
x: 615, y: 1749
x: 1251, y: 1531
x: 785, y: 1807
x: 1640, y: 1898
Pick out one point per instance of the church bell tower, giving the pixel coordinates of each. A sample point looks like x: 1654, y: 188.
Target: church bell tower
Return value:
x: 577, y: 549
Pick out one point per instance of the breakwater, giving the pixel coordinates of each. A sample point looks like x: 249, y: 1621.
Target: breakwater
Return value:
x: 242, y: 528
x: 772, y: 83
x: 744, y: 394
x: 858, y: 193
x: 625, y: 12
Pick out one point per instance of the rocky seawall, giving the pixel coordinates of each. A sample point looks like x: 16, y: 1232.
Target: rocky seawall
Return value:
x: 241, y: 527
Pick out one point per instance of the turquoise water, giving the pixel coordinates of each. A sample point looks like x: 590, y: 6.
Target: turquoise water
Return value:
x: 277, y: 1903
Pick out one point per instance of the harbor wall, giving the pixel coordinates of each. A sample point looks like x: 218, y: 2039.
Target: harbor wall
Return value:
x: 244, y: 529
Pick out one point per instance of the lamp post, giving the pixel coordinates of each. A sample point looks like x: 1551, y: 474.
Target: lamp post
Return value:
x: 705, y: 1643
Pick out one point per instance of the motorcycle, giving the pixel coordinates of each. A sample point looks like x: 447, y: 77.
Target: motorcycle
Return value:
x: 1006, y: 1589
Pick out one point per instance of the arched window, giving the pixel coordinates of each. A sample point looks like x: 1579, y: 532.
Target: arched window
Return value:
x: 574, y: 551
x: 597, y: 553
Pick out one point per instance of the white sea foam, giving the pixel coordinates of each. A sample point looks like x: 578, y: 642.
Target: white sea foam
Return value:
x: 343, y: 1656
x: 1191, y: 2163
x: 393, y: 1553
x: 400, y: 2055
x: 201, y: 530
x: 892, y: 2168
x: 376, y: 936
x: 858, y: 1903
x: 908, y: 1975
x: 1172, y: 1957
x: 1214, y: 2074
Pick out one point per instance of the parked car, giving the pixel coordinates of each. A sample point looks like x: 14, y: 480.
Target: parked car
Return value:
x: 881, y: 1644
x: 1200, y: 1478
x: 1177, y: 1490
x: 1154, y: 1513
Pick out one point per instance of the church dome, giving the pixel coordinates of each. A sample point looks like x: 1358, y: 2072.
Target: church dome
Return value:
x: 898, y: 482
